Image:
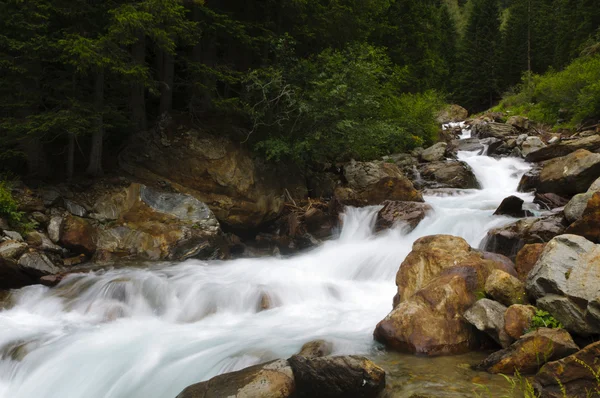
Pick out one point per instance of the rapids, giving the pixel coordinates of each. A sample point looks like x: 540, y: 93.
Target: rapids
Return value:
x: 149, y: 331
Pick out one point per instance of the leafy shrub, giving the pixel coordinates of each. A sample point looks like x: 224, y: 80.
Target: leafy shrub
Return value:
x: 9, y: 207
x: 571, y: 95
x: 543, y: 319
x: 342, y: 104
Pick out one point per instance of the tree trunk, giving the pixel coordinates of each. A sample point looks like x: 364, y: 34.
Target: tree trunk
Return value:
x: 167, y: 80
x: 95, y: 165
x: 138, y: 91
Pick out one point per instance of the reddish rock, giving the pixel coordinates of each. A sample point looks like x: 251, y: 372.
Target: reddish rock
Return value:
x: 517, y: 319
x: 78, y: 235
x: 589, y: 224
x: 408, y: 214
x: 526, y: 259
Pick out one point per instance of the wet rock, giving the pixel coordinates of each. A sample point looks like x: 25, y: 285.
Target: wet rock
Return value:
x: 331, y: 377
x: 571, y: 174
x: 78, y: 235
x: 509, y: 239
x: 492, y: 129
x: 241, y: 191
x: 448, y: 174
x: 502, y: 262
x: 37, y: 264
x: 336, y: 377
x: 517, y: 319
x: 505, y: 288
x: 12, y: 249
x: 576, y: 206
x: 563, y: 148
x: 530, y: 180
x: 512, y: 206
x: 573, y: 376
x: 531, y: 144
x: 14, y: 236
x: 271, y: 380
x: 549, y: 200
x: 316, y: 349
x: 565, y: 283
x: 435, y: 152
x: 530, y: 352
x: 451, y: 114
x: 12, y: 277
x: 488, y: 317
x: 395, y: 213
x: 526, y: 259
x: 588, y: 225
x: 469, y: 145
x: 371, y: 183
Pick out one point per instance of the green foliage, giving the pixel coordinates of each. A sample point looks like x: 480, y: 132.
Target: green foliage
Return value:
x: 571, y: 96
x: 9, y: 208
x: 341, y: 105
x: 543, y: 319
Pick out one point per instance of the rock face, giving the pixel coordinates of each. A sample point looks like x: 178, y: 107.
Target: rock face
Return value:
x: 488, y: 316
x: 239, y: 190
x: 154, y: 225
x: 492, y: 129
x: 505, y: 288
x: 512, y: 206
x: 565, y: 283
x: 452, y: 113
x: 588, y: 225
x: 575, y: 374
x: 435, y: 152
x: 408, y: 214
x: 591, y: 143
x: 448, y: 174
x: 331, y: 377
x: 372, y: 183
x: 437, y: 283
x: 508, y: 240
x: 530, y: 352
x: 517, y: 320
x: 571, y: 174
x: 526, y: 259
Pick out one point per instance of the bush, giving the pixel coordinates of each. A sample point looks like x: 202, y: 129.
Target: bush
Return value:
x: 543, y: 319
x: 9, y: 208
x: 340, y: 105
x: 570, y: 97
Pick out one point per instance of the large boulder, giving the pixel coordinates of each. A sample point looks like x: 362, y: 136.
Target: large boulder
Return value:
x: 437, y: 283
x: 563, y: 148
x: 12, y: 249
x: 531, y: 144
x: 406, y: 214
x: 451, y: 114
x: 435, y: 152
x: 549, y: 200
x: 570, y: 174
x: 469, y: 145
x: 78, y: 235
x: 530, y: 352
x: 488, y: 317
x: 572, y: 376
x: 509, y: 239
x: 576, y: 206
x: 37, y: 264
x: 241, y: 191
x: 492, y: 129
x: 12, y: 276
x: 526, y: 259
x: 512, y: 206
x: 156, y: 225
x: 448, y: 174
x: 372, y: 183
x: 330, y: 377
x: 519, y: 122
x: 565, y: 283
x: 588, y: 225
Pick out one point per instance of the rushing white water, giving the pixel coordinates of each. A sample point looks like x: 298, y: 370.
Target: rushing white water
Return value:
x: 150, y: 332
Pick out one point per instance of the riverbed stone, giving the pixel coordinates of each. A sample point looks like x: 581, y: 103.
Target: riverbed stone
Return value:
x: 451, y: 114
x: 493, y: 129
x: 12, y: 276
x: 12, y: 249
x: 316, y: 348
x: 37, y: 264
x: 530, y: 352
x: 565, y: 283
x: 488, y: 317
x: 512, y: 206
x: 563, y: 148
x: 78, y: 235
x: 570, y: 174
x: 406, y: 214
x: 517, y: 319
x: 526, y: 259
x: 549, y: 200
x: 435, y: 152
x: 531, y: 144
x: 505, y: 288
x: 448, y: 174
x: 588, y: 225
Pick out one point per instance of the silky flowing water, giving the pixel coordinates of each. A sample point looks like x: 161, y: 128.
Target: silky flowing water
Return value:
x: 150, y: 331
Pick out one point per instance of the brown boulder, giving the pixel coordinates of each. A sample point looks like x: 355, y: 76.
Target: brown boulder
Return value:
x: 517, y: 319
x: 394, y: 213
x: 588, y: 225
x: 492, y: 129
x: 505, y: 288
x: 316, y: 349
x: 512, y: 206
x: 530, y: 352
x: 78, y: 235
x: 372, y: 183
x: 526, y: 259
x: 448, y: 174
x: 452, y: 113
x: 573, y: 376
x: 563, y: 148
x: 571, y: 174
